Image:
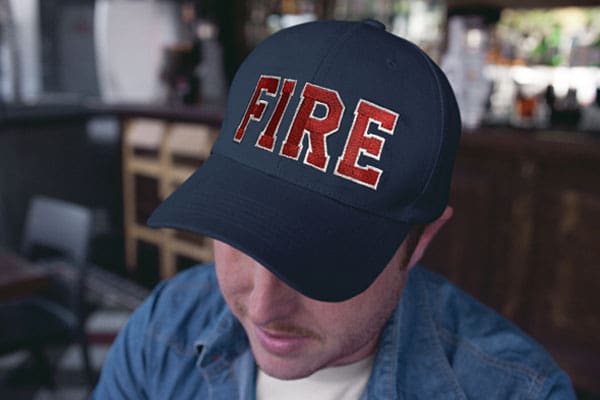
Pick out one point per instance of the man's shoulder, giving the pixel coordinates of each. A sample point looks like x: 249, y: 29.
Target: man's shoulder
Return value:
x: 190, y: 285
x: 482, y: 347
x: 181, y: 308
x: 459, y: 317
x: 200, y: 280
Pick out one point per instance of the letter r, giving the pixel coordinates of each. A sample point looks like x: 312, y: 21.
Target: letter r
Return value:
x: 317, y: 128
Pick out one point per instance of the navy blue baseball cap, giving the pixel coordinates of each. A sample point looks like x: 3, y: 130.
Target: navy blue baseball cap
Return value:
x: 338, y: 138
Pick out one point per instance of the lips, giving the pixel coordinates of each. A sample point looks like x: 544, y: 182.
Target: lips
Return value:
x: 279, y: 342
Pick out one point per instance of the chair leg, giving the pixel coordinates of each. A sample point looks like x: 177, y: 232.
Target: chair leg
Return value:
x: 45, y: 368
x: 85, y: 353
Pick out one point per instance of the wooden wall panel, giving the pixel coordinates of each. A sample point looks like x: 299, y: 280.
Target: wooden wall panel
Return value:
x: 525, y: 238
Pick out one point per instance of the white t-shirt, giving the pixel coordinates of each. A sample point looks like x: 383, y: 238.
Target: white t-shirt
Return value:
x: 346, y: 382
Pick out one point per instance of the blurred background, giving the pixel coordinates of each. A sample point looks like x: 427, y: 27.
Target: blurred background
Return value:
x: 106, y: 106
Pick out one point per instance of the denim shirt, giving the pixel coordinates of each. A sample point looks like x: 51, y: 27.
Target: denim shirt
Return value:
x: 184, y: 343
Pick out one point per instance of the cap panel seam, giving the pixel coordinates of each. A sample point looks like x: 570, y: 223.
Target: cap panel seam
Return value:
x: 334, y: 49
x: 328, y: 53
x: 436, y: 157
x: 426, y: 176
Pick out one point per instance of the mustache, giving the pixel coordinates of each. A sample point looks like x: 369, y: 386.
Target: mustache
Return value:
x: 280, y: 326
x: 290, y: 329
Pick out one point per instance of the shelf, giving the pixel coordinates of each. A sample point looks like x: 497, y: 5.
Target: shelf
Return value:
x: 453, y: 4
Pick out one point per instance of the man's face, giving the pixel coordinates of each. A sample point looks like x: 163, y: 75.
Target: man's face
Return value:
x: 293, y: 336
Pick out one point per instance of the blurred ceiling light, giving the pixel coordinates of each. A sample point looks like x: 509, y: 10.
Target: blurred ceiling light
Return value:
x: 581, y: 79
x: 474, y: 38
x: 525, y: 75
x: 561, y: 81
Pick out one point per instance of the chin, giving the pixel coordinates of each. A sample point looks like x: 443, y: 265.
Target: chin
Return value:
x: 285, y: 369
x: 286, y: 375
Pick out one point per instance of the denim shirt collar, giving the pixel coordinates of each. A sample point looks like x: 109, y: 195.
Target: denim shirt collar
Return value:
x: 225, y: 359
x: 410, y: 360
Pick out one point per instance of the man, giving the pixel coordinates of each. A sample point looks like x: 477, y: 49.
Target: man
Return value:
x: 329, y: 180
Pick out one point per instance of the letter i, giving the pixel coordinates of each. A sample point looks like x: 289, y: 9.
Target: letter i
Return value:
x: 266, y: 139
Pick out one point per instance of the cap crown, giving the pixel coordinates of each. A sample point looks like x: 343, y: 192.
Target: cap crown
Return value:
x: 349, y: 111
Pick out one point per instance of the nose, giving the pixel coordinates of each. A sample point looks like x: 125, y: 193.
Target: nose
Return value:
x: 271, y: 299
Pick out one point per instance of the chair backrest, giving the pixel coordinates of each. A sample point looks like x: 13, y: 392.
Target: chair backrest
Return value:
x: 3, y: 229
x: 58, y: 225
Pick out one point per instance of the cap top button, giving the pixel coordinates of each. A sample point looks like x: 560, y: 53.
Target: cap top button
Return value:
x: 374, y: 23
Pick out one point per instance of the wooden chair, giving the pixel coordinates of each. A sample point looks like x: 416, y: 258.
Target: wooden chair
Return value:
x: 168, y: 153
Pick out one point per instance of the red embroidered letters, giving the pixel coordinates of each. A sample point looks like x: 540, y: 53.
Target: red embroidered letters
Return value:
x: 360, y: 143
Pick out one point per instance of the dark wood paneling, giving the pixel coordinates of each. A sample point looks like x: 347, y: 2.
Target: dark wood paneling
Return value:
x: 51, y: 153
x: 480, y: 194
x: 525, y: 238
x: 522, y: 3
x: 566, y: 266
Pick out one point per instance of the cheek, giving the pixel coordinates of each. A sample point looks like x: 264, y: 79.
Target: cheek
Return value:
x: 234, y: 281
x: 356, y: 319
x: 366, y: 314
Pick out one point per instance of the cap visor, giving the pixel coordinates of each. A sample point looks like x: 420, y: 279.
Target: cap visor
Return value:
x: 322, y: 248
